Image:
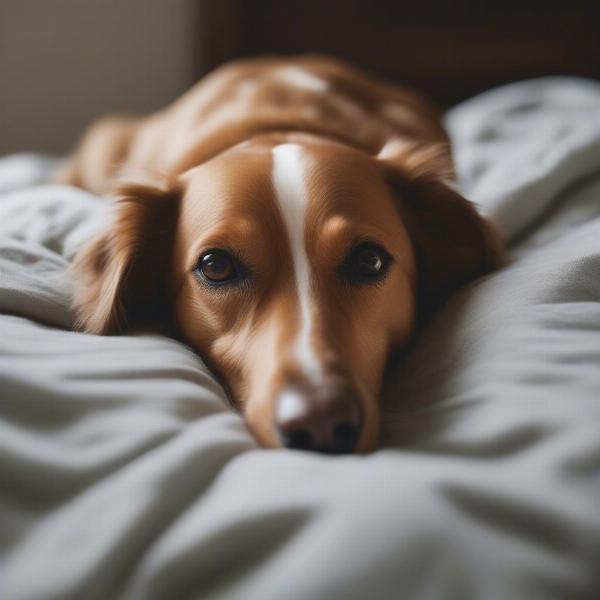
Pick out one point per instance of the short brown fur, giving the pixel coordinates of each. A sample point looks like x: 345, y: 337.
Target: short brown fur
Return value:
x: 379, y: 166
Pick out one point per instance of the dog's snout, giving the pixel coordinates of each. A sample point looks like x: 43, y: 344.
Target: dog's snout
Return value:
x: 325, y: 420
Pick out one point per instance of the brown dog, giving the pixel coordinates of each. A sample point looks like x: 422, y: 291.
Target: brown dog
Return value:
x: 297, y: 218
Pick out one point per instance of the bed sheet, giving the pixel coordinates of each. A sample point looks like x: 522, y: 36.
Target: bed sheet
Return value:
x: 123, y: 473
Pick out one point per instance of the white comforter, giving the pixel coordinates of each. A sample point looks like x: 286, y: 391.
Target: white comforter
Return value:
x: 123, y: 475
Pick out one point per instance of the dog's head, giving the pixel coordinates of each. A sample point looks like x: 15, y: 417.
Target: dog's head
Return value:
x: 294, y: 266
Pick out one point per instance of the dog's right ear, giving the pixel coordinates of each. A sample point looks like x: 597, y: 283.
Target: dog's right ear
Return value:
x: 120, y: 276
x: 453, y: 243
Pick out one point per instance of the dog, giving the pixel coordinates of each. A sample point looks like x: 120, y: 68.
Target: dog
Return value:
x: 294, y: 222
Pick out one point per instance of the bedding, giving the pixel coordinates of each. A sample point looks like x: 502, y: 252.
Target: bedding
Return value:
x: 124, y: 474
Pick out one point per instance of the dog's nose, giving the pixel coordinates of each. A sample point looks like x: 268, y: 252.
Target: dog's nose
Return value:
x: 323, y: 420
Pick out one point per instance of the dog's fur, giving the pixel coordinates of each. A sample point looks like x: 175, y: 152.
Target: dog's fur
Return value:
x: 286, y: 163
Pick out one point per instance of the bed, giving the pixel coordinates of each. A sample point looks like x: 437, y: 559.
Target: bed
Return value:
x: 124, y: 474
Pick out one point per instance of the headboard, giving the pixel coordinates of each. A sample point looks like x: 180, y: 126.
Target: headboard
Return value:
x: 450, y: 50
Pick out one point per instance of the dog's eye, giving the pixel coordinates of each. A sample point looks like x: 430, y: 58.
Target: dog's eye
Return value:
x: 217, y: 266
x: 366, y: 262
x: 369, y: 262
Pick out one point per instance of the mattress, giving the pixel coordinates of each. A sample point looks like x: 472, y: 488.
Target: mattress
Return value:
x: 125, y: 475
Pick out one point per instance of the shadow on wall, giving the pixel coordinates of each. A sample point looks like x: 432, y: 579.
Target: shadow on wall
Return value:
x: 64, y: 63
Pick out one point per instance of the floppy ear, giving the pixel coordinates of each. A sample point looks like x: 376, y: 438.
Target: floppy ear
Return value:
x: 120, y: 276
x: 453, y: 243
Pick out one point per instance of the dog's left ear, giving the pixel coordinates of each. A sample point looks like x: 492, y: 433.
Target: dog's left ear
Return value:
x: 453, y: 242
x: 120, y: 276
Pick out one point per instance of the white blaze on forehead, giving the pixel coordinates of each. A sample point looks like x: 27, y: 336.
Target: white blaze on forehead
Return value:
x: 290, y: 191
x: 301, y: 79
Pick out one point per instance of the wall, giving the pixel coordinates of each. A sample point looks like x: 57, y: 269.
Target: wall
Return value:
x: 64, y: 62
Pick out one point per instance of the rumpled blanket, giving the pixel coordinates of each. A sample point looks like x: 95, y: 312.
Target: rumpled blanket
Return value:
x: 124, y: 474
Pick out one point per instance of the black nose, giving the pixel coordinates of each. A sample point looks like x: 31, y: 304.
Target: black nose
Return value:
x: 325, y: 420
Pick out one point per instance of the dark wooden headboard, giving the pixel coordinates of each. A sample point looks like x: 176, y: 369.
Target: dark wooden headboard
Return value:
x: 448, y: 49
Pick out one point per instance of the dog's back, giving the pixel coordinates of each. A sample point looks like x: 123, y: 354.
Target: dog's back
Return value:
x: 241, y: 99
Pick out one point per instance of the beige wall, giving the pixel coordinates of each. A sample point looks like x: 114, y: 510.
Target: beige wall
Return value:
x: 64, y: 62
